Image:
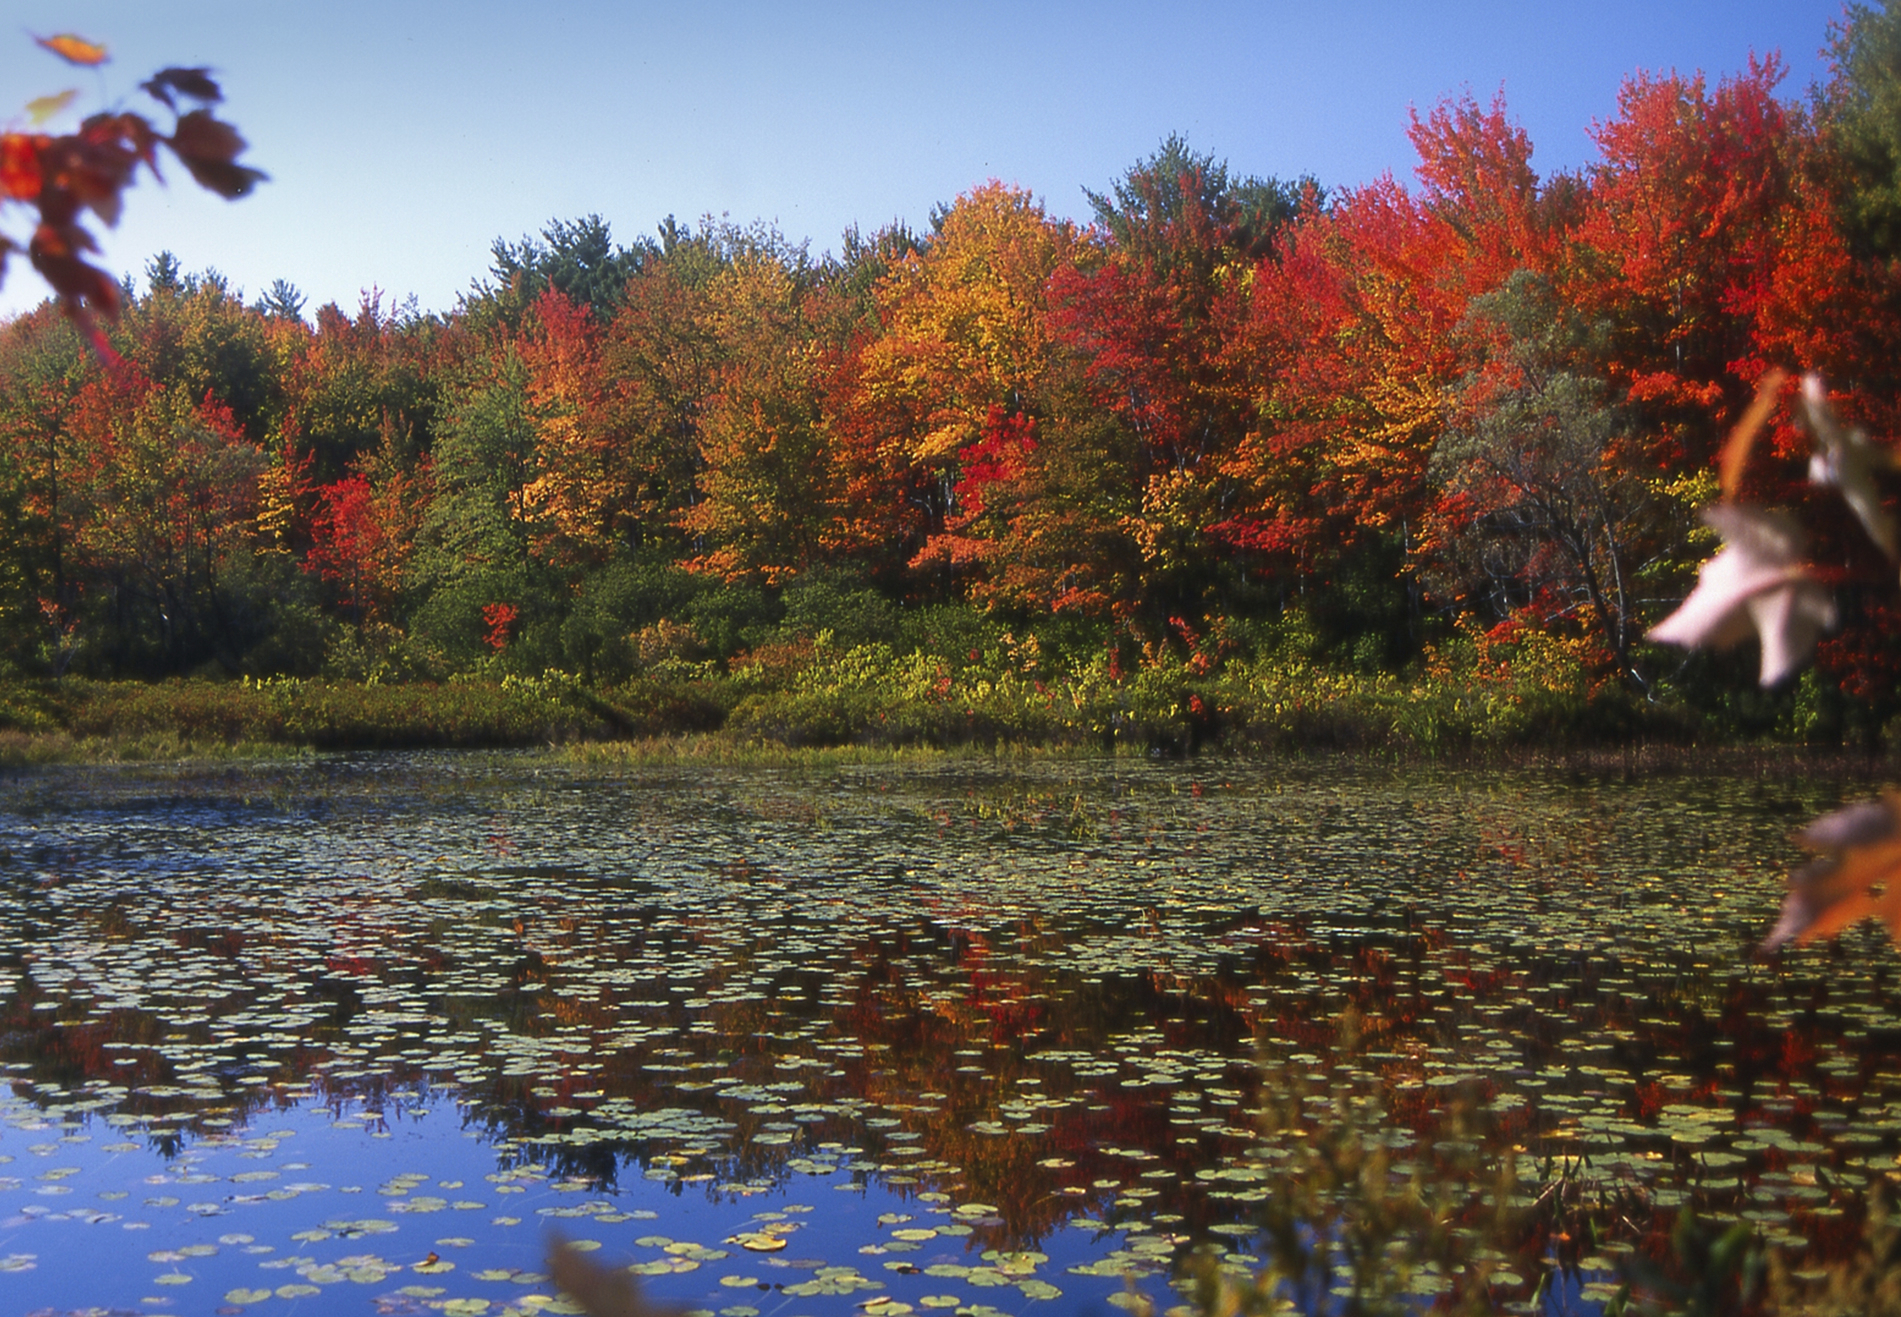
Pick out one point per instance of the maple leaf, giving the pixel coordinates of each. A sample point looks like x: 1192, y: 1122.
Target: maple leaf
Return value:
x: 1855, y: 878
x: 20, y: 173
x: 1846, y: 460
x: 91, y: 168
x: 1755, y: 585
x: 74, y: 50
x: 208, y: 146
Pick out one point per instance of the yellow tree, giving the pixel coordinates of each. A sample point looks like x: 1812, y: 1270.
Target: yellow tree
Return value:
x: 579, y: 497
x: 967, y: 343
x: 766, y: 486
x: 966, y: 324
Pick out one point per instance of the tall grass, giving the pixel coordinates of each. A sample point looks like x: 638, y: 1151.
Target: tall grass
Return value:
x: 822, y: 694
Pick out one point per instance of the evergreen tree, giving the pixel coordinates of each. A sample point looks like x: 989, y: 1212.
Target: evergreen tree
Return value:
x: 283, y: 299
x: 578, y: 258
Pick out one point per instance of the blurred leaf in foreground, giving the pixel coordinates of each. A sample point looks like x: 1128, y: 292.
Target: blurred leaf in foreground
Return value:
x: 1854, y: 879
x: 74, y: 50
x: 1845, y: 459
x: 602, y: 1292
x: 1755, y: 586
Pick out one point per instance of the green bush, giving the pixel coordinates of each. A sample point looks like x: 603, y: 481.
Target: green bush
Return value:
x: 871, y: 694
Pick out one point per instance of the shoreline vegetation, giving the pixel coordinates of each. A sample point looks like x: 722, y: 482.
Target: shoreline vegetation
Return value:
x: 1239, y: 464
x: 865, y: 704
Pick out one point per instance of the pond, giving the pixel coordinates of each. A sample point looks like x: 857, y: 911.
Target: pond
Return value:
x: 360, y: 1033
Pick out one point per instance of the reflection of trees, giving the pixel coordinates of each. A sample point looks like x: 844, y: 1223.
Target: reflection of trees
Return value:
x: 947, y: 1026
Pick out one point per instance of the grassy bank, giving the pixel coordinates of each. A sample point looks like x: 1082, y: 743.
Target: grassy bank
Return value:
x: 874, y: 700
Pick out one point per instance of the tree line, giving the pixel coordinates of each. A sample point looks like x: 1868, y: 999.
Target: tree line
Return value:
x: 1225, y: 415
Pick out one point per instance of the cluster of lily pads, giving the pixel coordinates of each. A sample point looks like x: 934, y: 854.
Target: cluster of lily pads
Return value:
x: 1035, y: 1013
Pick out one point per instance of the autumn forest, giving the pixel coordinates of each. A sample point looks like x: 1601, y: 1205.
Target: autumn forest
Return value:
x: 1235, y: 453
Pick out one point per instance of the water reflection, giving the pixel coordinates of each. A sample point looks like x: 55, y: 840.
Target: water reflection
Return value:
x: 997, y: 1003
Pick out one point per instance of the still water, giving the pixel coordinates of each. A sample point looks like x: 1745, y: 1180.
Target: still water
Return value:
x: 357, y: 1034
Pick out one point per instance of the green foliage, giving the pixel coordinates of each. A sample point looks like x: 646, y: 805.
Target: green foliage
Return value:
x: 729, y: 618
x: 601, y: 634
x: 1179, y: 184
x: 1547, y: 515
x: 669, y: 658
x: 870, y: 694
x: 112, y: 719
x: 281, y: 300
x: 1863, y: 112
x: 575, y: 257
x: 839, y: 603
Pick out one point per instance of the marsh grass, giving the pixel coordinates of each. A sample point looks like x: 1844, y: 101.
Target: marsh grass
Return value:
x: 1479, y: 698
x: 739, y: 751
x: 25, y: 750
x: 69, y: 721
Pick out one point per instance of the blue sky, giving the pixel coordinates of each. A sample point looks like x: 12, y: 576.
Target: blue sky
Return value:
x: 403, y: 138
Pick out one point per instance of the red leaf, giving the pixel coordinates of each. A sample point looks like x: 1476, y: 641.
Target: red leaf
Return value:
x: 90, y: 168
x: 195, y: 83
x: 20, y: 166
x: 1855, y: 878
x: 207, y: 146
x: 54, y: 252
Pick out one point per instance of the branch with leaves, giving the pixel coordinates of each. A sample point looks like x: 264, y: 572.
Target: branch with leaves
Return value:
x: 60, y: 177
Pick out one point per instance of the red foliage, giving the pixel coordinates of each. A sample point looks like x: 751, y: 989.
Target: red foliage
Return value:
x: 500, y: 620
x: 999, y: 458
x: 349, y: 542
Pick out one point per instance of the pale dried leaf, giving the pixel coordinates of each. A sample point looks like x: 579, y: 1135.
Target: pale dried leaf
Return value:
x: 1755, y: 586
x: 1846, y: 460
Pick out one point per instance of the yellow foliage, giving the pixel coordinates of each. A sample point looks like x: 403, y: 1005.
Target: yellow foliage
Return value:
x: 966, y: 319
